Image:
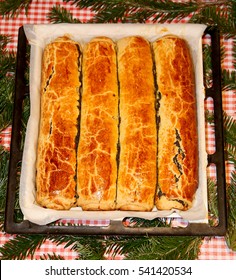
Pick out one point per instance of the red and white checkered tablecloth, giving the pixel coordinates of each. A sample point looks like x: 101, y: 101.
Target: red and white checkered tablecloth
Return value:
x: 212, y: 248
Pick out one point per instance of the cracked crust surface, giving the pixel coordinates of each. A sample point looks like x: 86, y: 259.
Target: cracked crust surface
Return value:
x: 97, y: 150
x: 177, y: 136
x: 138, y: 135
x: 56, y: 154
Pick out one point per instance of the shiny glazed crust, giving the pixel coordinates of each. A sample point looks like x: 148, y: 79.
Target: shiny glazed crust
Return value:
x: 97, y: 150
x: 177, y: 136
x: 138, y: 135
x: 56, y: 153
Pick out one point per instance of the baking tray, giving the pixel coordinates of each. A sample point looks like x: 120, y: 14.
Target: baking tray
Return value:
x: 116, y: 227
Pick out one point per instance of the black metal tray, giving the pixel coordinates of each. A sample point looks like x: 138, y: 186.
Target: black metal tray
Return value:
x: 117, y: 227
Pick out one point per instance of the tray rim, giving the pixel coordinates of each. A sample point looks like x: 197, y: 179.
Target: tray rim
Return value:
x: 116, y: 227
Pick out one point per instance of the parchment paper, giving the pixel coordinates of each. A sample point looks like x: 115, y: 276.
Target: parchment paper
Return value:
x: 40, y: 35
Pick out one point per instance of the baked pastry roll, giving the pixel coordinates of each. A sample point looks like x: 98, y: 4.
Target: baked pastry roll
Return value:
x: 138, y: 134
x: 97, y: 149
x: 177, y: 135
x: 56, y: 153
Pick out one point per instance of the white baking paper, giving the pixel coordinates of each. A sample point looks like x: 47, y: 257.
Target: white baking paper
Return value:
x: 40, y: 35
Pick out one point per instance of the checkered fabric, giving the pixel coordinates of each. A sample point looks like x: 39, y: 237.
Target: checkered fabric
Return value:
x: 212, y: 248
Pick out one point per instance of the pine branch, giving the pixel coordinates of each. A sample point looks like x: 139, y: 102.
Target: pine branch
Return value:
x: 6, y: 101
x: 228, y: 80
x: 229, y: 129
x: 7, y: 59
x: 224, y: 17
x: 207, y: 65
x: 135, y: 10
x: 230, y: 138
x: 51, y: 257
x: 87, y: 248
x: 158, y: 222
x: 162, y: 11
x: 4, y: 162
x: 90, y: 248
x: 209, y: 117
x: 228, y: 77
x: 11, y: 8
x: 24, y: 120
x: 59, y: 14
x: 231, y: 153
x: 234, y: 52
x: 155, y: 248
x: 7, y: 68
x: 21, y: 247
x: 231, y: 199
x: 212, y: 202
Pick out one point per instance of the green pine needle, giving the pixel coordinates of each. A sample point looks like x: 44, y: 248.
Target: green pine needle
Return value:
x: 11, y: 8
x: 228, y: 80
x: 7, y: 59
x: 7, y: 82
x: 60, y: 14
x: 231, y: 198
x: 212, y: 202
x: 231, y: 153
x: 155, y: 248
x: 52, y: 257
x: 4, y: 162
x: 136, y: 10
x: 21, y: 247
x: 87, y: 248
x: 213, y: 16
x: 229, y: 129
x: 221, y: 13
x: 6, y: 101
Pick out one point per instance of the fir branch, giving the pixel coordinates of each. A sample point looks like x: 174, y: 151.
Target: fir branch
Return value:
x: 228, y: 80
x: 218, y: 15
x: 168, y: 248
x: 4, y: 40
x: 231, y: 199
x: 4, y: 162
x: 155, y: 248
x: 60, y: 14
x: 234, y: 52
x: 24, y: 120
x: 7, y: 82
x: 212, y: 202
x: 135, y: 10
x: 209, y: 117
x: 158, y: 222
x: 6, y: 101
x: 207, y: 65
x: 230, y: 138
x: 229, y: 129
x: 87, y: 248
x: 231, y: 153
x: 7, y: 59
x: 11, y: 8
x: 21, y: 247
x: 96, y: 248
x: 51, y: 257
x: 90, y: 248
x: 159, y: 11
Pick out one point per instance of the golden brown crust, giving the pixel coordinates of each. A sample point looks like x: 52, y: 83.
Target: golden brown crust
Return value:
x: 56, y: 154
x: 138, y: 135
x: 97, y: 150
x: 177, y: 136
